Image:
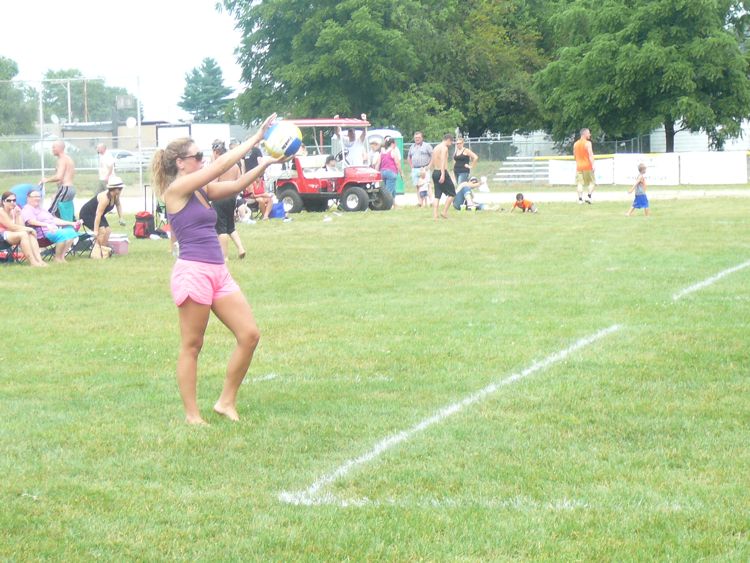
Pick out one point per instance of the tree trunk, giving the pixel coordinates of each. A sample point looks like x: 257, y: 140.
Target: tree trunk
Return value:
x: 669, y: 132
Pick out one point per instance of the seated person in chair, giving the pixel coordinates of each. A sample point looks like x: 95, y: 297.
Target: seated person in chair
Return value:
x: 57, y: 231
x: 13, y: 232
x: 257, y: 193
x: 94, y: 211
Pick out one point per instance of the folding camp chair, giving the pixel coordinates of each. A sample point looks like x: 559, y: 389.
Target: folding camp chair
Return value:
x: 46, y: 247
x: 10, y: 253
x: 84, y: 245
x: 160, y: 215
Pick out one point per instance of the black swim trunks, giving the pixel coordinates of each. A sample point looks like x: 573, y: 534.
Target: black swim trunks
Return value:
x: 225, y: 215
x: 445, y: 187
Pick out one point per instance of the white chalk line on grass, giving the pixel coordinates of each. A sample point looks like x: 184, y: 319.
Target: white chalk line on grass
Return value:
x: 310, y: 495
x: 262, y: 378
x: 518, y: 503
x: 709, y: 281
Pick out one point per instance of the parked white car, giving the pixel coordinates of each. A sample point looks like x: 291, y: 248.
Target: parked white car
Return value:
x: 45, y: 146
x: 126, y: 161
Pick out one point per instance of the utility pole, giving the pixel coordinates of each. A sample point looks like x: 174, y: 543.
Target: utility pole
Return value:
x: 85, y: 102
x: 70, y: 112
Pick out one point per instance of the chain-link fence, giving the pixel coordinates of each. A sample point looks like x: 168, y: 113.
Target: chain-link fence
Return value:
x: 25, y: 155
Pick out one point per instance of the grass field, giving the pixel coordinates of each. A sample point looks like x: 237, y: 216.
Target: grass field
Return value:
x: 625, y: 445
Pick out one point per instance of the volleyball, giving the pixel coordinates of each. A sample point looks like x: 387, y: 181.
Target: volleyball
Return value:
x: 282, y: 139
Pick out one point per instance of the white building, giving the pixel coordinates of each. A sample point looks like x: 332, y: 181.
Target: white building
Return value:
x: 685, y: 141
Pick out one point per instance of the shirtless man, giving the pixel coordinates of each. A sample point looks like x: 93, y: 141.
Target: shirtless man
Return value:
x: 62, y: 203
x: 441, y: 178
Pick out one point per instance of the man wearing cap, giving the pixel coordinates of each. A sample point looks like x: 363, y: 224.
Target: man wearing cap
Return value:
x: 94, y: 211
x: 420, y: 154
x: 106, y: 166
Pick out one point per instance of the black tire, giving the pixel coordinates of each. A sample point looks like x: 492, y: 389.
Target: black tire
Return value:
x: 316, y: 205
x: 382, y: 200
x: 354, y: 199
x: 291, y: 200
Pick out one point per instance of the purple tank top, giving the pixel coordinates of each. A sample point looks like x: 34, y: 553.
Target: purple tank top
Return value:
x: 194, y: 226
x: 387, y: 162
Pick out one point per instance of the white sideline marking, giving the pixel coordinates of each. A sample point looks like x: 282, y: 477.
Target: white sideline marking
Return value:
x: 311, y: 495
x: 268, y: 377
x: 709, y: 281
x: 512, y: 503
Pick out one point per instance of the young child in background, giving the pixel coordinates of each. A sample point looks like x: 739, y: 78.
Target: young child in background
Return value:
x: 523, y: 204
x: 423, y: 188
x: 640, y: 201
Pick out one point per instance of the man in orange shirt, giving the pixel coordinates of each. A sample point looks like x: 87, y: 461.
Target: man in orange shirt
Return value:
x: 584, y: 155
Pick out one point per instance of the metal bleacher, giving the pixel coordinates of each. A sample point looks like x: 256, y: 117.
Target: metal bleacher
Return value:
x: 523, y: 170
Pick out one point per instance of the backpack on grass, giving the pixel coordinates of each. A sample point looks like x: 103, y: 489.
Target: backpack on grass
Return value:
x: 144, y: 224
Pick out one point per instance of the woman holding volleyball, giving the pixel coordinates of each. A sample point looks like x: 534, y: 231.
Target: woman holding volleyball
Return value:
x: 200, y: 281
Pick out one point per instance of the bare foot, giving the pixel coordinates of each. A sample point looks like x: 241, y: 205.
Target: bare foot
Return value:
x: 242, y: 254
x: 229, y: 411
x: 444, y: 215
x: 197, y: 420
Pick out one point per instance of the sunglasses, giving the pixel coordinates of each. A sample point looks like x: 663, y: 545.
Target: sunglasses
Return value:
x: 197, y: 156
x: 10, y: 201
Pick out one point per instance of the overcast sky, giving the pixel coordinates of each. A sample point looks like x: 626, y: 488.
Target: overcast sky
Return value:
x: 154, y: 41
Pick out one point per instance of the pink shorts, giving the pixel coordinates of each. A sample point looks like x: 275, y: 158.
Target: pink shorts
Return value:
x: 201, y: 282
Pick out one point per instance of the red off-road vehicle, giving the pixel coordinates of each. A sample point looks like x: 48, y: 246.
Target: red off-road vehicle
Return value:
x: 304, y: 183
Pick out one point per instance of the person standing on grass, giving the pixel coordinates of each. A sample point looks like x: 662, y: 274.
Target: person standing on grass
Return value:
x: 201, y: 282
x: 250, y: 160
x: 441, y: 177
x: 641, y: 200
x: 225, y: 207
x: 418, y: 157
x: 106, y: 166
x: 390, y: 166
x: 62, y: 203
x: 584, y: 155
x: 463, y: 161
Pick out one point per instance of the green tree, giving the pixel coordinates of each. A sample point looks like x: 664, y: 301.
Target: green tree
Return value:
x: 90, y: 99
x: 455, y: 63
x: 17, y: 102
x: 315, y: 59
x: 479, y: 58
x: 205, y: 96
x: 624, y: 67
x: 414, y: 110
